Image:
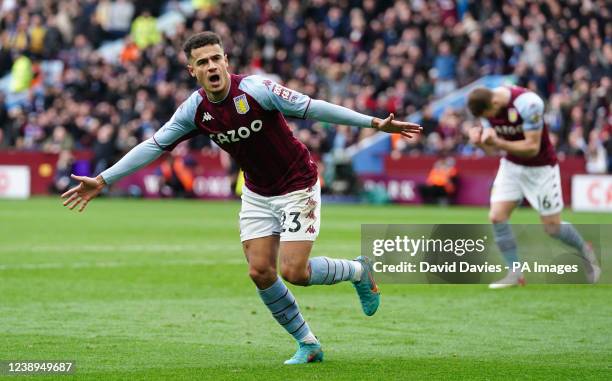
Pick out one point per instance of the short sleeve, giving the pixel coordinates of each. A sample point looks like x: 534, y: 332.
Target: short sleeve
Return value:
x: 531, y: 109
x: 272, y: 96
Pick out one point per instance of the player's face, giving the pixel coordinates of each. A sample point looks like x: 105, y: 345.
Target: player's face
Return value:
x: 490, y: 112
x: 208, y: 64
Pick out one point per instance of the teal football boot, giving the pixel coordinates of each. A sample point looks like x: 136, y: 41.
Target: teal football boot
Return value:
x: 368, y: 292
x: 306, y: 353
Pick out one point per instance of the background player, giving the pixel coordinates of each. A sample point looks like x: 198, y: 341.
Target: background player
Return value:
x: 512, y: 121
x: 280, y: 214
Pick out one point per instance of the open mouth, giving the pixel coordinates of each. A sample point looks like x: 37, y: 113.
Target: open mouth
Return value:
x: 214, y: 79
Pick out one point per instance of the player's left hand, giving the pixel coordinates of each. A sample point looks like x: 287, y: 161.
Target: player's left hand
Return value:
x: 392, y: 126
x: 489, y: 137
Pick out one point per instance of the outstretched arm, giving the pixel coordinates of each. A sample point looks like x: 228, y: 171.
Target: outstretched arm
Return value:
x: 328, y: 112
x: 180, y: 127
x: 272, y: 96
x: 90, y: 187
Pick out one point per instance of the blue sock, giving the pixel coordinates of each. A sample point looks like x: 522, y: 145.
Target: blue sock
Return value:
x: 284, y: 308
x: 569, y: 236
x: 504, y: 238
x: 325, y: 270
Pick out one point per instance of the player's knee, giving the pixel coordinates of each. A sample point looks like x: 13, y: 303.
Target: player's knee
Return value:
x: 497, y: 218
x: 262, y: 276
x: 294, y: 275
x: 552, y: 228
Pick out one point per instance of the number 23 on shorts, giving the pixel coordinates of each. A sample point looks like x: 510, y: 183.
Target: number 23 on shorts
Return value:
x: 294, y: 224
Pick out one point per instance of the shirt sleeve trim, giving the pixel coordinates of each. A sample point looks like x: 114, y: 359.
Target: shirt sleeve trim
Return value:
x: 307, y: 107
x: 155, y: 141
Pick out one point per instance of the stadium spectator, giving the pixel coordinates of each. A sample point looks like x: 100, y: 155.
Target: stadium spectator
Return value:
x: 176, y: 174
x: 53, y: 40
x: 449, y: 130
x: 129, y: 52
x: 596, y: 155
x: 120, y: 17
x: 104, y: 148
x: 144, y: 30
x: 93, y: 31
x: 36, y: 36
x: 59, y: 141
x: 445, y: 65
x: 441, y: 183
x: 205, y: 5
x: 63, y: 169
x: 4, y: 117
x: 22, y: 74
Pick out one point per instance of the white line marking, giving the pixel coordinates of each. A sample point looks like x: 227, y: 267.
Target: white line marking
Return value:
x: 115, y: 264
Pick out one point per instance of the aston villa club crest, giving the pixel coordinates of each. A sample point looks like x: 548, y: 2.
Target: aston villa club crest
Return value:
x: 242, y: 106
x: 512, y: 115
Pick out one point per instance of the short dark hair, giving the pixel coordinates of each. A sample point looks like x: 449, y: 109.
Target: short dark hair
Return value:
x: 201, y: 39
x: 479, y: 101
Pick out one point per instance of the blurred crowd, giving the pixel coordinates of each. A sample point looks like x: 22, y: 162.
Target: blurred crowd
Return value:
x: 372, y: 56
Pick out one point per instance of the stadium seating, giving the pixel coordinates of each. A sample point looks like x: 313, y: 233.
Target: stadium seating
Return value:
x: 373, y: 56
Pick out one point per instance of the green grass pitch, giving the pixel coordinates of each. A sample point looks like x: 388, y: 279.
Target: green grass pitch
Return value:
x: 158, y: 290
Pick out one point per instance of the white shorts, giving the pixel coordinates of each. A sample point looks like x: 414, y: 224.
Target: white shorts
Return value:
x: 541, y: 186
x: 295, y: 216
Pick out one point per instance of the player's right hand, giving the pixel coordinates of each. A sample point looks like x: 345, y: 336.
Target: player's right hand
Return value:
x: 488, y: 137
x: 88, y: 188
